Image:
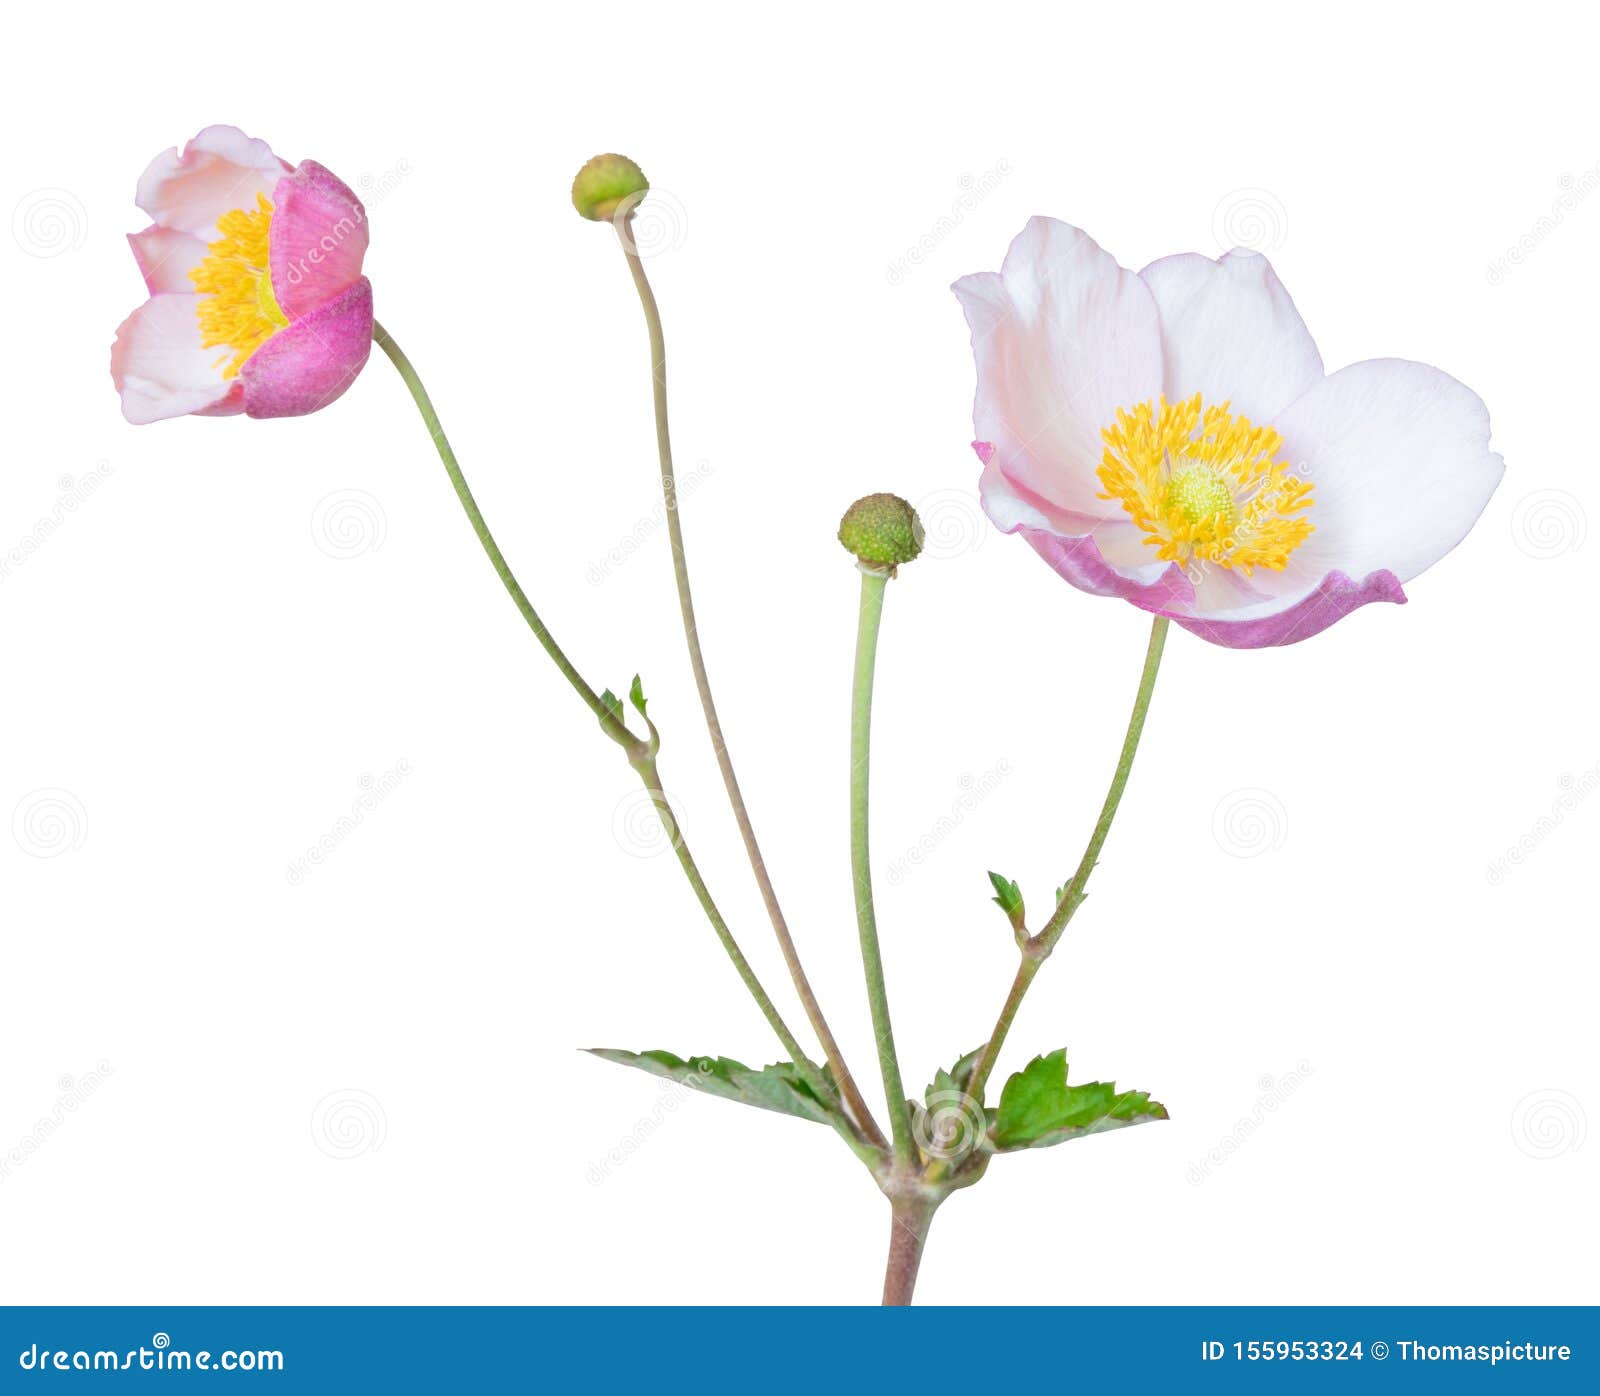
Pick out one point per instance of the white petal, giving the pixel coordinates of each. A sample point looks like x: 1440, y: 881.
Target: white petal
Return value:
x: 1398, y: 454
x: 158, y: 365
x: 220, y: 169
x: 166, y: 257
x: 1063, y: 336
x: 1230, y: 331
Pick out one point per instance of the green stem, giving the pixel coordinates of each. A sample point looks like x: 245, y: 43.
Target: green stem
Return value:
x: 871, y: 617
x: 1037, y: 949
x: 680, y: 570
x: 640, y: 754
x: 612, y: 728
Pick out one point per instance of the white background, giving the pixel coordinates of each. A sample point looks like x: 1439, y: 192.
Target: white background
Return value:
x: 238, y: 623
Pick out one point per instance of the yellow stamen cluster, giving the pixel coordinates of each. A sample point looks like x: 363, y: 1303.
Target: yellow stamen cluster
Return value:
x: 237, y: 308
x: 1203, y: 483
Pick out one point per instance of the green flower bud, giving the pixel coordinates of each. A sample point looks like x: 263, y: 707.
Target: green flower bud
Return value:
x: 605, y: 184
x: 882, y: 530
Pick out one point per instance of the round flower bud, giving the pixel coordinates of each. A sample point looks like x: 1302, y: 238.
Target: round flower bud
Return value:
x: 605, y: 184
x: 882, y: 530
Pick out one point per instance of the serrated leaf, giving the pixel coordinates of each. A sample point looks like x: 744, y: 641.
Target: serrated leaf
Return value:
x: 1008, y: 896
x: 636, y: 696
x: 1038, y: 1108
x: 612, y: 704
x: 779, y: 1087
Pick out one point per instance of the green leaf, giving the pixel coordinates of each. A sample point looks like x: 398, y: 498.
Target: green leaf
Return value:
x: 1038, y: 1107
x: 779, y: 1087
x: 1008, y: 896
x: 613, y: 705
x: 636, y: 696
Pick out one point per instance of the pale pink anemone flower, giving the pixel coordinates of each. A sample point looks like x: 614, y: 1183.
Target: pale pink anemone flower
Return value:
x: 1171, y: 438
x: 257, y: 301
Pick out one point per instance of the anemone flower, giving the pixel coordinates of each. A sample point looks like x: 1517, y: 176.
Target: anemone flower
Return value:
x: 257, y: 302
x: 1170, y: 437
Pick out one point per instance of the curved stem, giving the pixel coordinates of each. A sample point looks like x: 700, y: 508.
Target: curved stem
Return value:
x: 640, y: 754
x: 871, y: 616
x: 1038, y: 948
x: 680, y: 570
x: 613, y: 729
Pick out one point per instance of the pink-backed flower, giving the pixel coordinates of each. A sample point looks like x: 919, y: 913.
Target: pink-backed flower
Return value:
x: 257, y: 301
x: 1171, y: 438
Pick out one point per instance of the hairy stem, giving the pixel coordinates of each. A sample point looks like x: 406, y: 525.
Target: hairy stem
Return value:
x: 612, y: 728
x: 1038, y: 948
x: 908, y: 1233
x: 680, y: 569
x: 640, y: 754
x: 871, y: 616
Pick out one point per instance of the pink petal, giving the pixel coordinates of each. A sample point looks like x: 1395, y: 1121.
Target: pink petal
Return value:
x: 303, y: 368
x: 319, y: 237
x: 1333, y: 598
x: 220, y: 169
x: 160, y: 369
x: 166, y: 257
